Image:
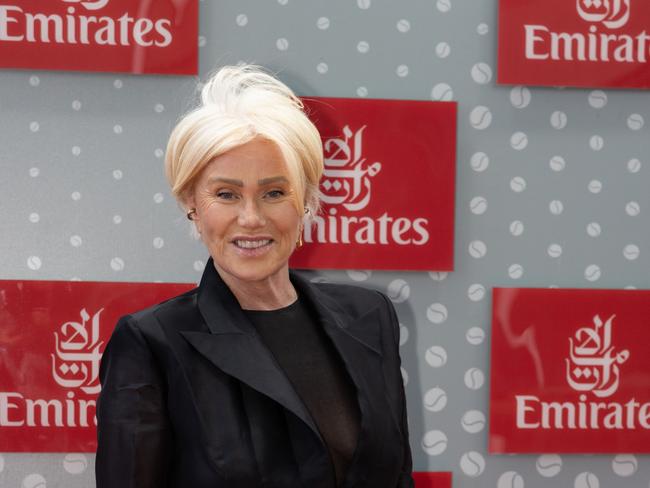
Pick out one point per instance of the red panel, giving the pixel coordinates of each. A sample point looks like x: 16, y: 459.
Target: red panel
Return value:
x: 575, y: 43
x: 426, y: 479
x: 388, y: 186
x: 133, y: 36
x: 52, y: 336
x: 569, y: 371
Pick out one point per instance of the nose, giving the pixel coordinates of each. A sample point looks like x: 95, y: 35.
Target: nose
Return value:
x: 250, y: 215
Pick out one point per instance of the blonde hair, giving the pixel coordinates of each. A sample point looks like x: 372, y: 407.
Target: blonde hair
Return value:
x: 238, y: 104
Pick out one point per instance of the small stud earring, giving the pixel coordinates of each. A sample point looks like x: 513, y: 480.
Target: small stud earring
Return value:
x: 191, y: 213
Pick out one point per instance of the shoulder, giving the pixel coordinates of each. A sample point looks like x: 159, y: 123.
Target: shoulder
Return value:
x: 355, y: 300
x: 147, y: 320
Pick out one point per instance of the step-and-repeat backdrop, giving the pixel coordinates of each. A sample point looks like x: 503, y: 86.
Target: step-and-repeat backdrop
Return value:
x: 486, y: 166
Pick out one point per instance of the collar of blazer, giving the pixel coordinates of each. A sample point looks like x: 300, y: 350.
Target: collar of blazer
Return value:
x: 233, y: 345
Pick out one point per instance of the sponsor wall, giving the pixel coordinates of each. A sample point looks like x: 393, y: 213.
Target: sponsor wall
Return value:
x: 585, y: 43
x: 551, y: 190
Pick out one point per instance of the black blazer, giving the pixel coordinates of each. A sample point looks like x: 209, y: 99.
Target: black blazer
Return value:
x: 192, y: 398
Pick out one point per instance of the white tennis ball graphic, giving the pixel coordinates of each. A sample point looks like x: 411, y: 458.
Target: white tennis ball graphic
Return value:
x: 520, y: 97
x: 549, y: 465
x: 519, y: 141
x: 634, y: 165
x: 482, y: 29
x: 473, y: 421
x: 559, y: 120
x: 515, y: 271
x: 593, y: 272
x: 597, y: 99
x: 478, y: 205
x: 472, y: 463
x: 434, y: 442
x: 34, y: 263
x: 625, y: 464
x: 477, y: 249
x: 593, y: 229
x: 117, y: 264
x: 631, y: 252
x: 510, y: 479
x: 437, y: 313
x: 596, y: 143
x: 481, y: 73
x: 556, y: 207
x: 554, y: 250
x: 586, y: 480
x: 241, y: 20
x: 435, y: 356
x: 33, y: 481
x: 323, y: 23
x: 516, y: 228
x: 398, y: 290
x: 282, y: 44
x: 476, y: 292
x: 474, y: 378
x: 443, y: 5
x: 632, y: 209
x: 475, y: 336
x: 403, y: 25
x: 480, y: 117
x: 517, y: 184
x: 443, y: 49
x: 435, y: 399
x: 557, y: 163
x: 442, y: 92
x: 635, y: 122
x: 402, y: 70
x: 479, y: 161
x: 75, y: 463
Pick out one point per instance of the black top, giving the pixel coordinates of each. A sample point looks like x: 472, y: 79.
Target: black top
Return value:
x: 308, y: 357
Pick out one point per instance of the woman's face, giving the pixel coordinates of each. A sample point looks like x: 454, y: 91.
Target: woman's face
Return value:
x: 245, y: 212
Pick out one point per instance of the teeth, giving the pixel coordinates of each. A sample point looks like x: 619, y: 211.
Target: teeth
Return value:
x: 252, y: 244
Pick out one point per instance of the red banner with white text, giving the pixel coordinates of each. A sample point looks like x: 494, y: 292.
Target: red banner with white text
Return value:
x: 388, y: 186
x: 132, y: 36
x: 583, y: 43
x: 569, y: 371
x: 52, y: 336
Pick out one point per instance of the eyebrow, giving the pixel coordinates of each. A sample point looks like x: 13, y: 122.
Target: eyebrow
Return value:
x: 240, y: 183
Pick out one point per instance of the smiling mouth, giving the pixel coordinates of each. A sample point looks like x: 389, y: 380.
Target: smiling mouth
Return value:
x: 256, y: 244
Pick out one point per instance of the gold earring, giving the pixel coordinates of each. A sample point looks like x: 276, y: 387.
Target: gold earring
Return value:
x: 191, y: 213
x: 299, y: 241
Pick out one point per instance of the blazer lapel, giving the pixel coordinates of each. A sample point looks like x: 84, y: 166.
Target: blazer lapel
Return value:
x: 233, y: 346
x: 358, y: 342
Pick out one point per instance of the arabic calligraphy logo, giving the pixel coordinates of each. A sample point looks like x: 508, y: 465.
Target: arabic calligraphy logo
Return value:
x: 77, y: 354
x: 612, y: 13
x: 591, y: 365
x: 346, y: 181
x: 96, y: 5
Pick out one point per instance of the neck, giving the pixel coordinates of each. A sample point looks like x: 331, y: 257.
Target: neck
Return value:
x: 271, y: 293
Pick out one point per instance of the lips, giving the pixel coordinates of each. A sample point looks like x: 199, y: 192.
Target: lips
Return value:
x: 252, y: 243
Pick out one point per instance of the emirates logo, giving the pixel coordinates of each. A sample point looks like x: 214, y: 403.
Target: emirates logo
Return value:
x: 347, y: 176
x: 592, y: 364
x: 613, y: 14
x: 75, y: 363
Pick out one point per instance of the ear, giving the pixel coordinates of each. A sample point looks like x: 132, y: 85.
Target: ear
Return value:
x: 189, y: 203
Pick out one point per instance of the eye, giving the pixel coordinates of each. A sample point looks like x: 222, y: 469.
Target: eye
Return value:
x: 225, y: 195
x: 274, y: 194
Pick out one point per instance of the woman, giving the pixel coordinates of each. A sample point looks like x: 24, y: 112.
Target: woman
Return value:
x: 257, y: 378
